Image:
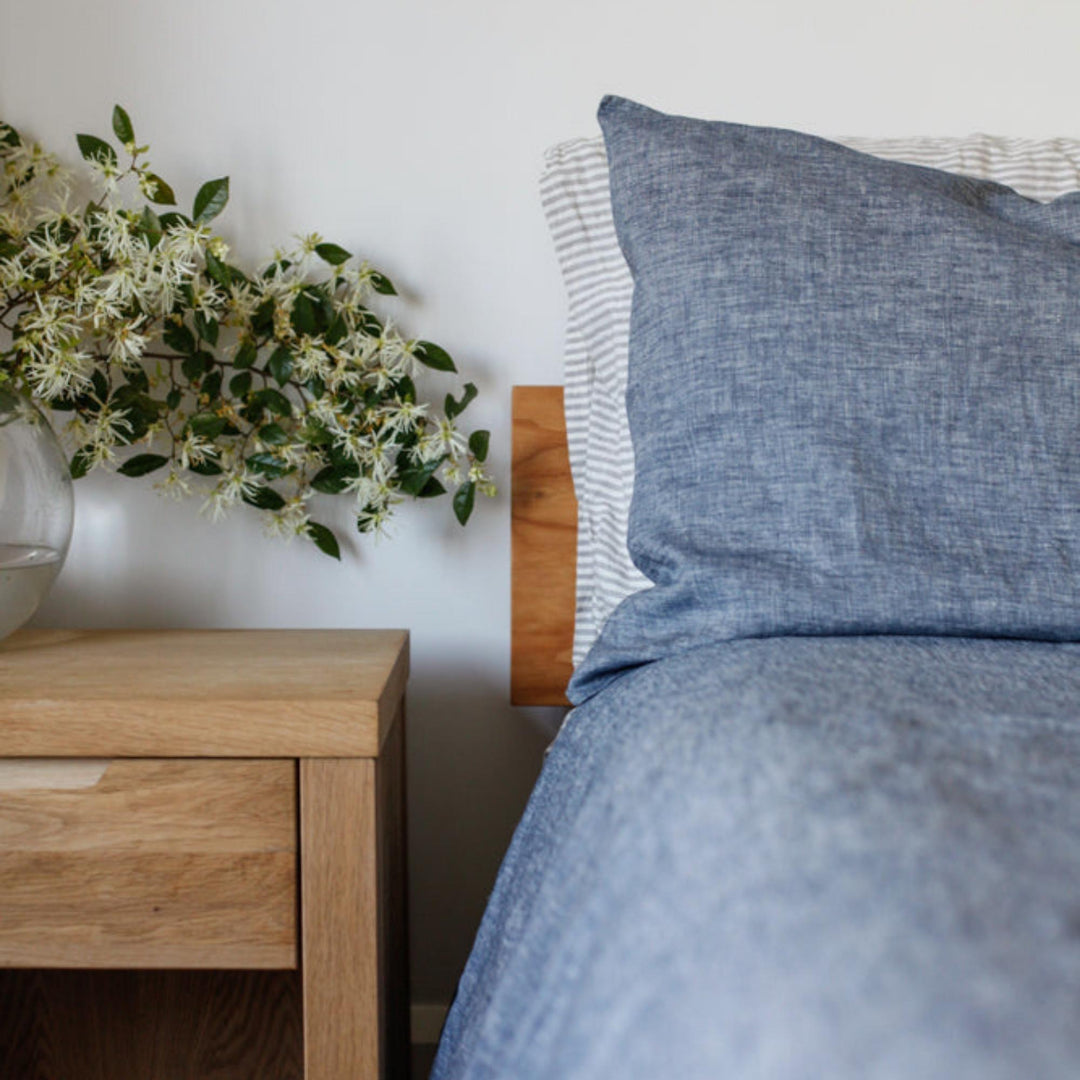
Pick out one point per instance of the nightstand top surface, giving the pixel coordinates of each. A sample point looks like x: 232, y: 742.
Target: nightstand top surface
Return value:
x: 200, y: 693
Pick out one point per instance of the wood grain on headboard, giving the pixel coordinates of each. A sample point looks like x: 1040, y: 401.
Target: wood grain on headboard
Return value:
x: 543, y: 543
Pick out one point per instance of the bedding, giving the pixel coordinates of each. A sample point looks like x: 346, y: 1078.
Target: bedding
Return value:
x: 576, y: 201
x: 816, y: 811
x: 853, y: 394
x: 790, y: 859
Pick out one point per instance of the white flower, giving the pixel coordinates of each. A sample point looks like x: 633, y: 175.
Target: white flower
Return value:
x: 117, y: 234
x: 403, y: 416
x: 232, y: 487
x: 121, y: 284
x: 310, y: 360
x: 207, y: 298
x: 127, y: 345
x: 241, y: 302
x: 49, y: 254
x: 174, y: 486
x: 195, y: 450
x: 291, y: 520
x: 184, y: 242
x: 455, y: 443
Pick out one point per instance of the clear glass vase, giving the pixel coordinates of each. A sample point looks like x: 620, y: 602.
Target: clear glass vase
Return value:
x: 36, y: 509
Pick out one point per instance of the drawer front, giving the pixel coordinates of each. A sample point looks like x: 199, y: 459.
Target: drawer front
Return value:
x: 148, y: 864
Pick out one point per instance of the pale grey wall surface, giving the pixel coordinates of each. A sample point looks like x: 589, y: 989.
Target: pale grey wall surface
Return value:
x: 411, y: 132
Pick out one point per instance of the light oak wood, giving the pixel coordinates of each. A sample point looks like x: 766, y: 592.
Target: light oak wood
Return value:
x: 169, y: 835
x: 199, y: 693
x: 50, y: 774
x: 158, y: 864
x: 150, y: 1025
x: 340, y: 890
x: 391, y: 831
x: 355, y: 984
x: 543, y: 549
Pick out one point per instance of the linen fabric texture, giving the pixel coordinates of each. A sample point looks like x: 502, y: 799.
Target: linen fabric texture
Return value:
x: 576, y: 199
x: 794, y: 859
x: 853, y: 394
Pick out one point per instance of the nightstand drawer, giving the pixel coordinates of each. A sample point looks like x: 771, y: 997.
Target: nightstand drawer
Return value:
x: 182, y: 863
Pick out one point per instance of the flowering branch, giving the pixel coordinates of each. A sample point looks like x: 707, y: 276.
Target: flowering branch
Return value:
x: 263, y: 389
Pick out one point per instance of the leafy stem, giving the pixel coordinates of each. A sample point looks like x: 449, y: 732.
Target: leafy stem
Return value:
x: 267, y: 389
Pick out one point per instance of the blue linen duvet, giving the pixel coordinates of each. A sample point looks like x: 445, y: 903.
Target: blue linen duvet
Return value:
x: 795, y: 859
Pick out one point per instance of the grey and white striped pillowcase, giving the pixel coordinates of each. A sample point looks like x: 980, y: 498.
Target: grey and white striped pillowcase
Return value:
x: 577, y: 203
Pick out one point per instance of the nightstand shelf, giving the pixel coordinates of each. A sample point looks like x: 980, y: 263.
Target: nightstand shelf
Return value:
x: 200, y: 801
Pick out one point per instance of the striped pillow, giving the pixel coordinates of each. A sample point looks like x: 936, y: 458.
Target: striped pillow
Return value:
x: 577, y: 204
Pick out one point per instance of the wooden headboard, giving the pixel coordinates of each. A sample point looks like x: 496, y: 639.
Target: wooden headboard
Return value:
x: 543, y: 546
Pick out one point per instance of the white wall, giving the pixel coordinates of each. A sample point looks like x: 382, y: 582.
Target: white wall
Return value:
x: 411, y: 131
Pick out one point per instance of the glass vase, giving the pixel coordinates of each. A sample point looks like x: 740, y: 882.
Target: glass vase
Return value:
x: 36, y: 509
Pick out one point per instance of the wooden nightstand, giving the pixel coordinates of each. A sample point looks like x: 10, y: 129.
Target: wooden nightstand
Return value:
x: 226, y: 805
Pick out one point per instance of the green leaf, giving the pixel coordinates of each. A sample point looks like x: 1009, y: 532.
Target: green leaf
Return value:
x: 454, y: 408
x: 464, y: 498
x: 207, y: 328
x: 210, y: 387
x: 274, y: 400
x: 246, y: 355
x: 210, y: 200
x: 413, y: 480
x: 151, y: 227
x: 121, y: 125
x: 314, y: 434
x: 324, y: 539
x: 432, y: 356
x: 332, y: 254
x: 172, y: 398
x: 101, y: 385
x: 141, y: 464
x: 382, y: 284
x: 80, y: 463
x: 96, y: 150
x: 332, y: 480
x: 172, y: 219
x: 269, y: 465
x: 157, y: 191
x: 280, y: 365
x: 303, y: 315
x: 431, y: 489
x: 195, y: 366
x: 262, y: 322
x: 205, y: 468
x: 273, y: 434
x: 179, y: 338
x: 406, y: 388
x: 252, y: 412
x: 137, y: 379
x: 216, y: 270
x: 240, y: 384
x: 478, y: 444
x: 264, y: 498
x: 336, y: 331
x: 207, y: 425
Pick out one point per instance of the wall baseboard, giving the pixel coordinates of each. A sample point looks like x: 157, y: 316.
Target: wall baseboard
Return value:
x: 426, y: 1021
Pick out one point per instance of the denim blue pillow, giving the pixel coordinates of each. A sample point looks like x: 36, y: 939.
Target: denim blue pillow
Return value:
x: 854, y: 394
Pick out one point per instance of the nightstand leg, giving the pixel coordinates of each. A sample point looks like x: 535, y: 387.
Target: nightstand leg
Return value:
x: 339, y: 919
x: 354, y: 952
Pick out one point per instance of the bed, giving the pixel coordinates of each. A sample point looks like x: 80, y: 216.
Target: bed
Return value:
x: 815, y: 812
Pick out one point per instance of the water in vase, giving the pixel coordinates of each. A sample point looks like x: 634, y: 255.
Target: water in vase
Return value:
x: 26, y: 572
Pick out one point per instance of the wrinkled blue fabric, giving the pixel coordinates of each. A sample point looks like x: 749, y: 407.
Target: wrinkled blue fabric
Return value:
x: 854, y: 388
x: 794, y: 859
